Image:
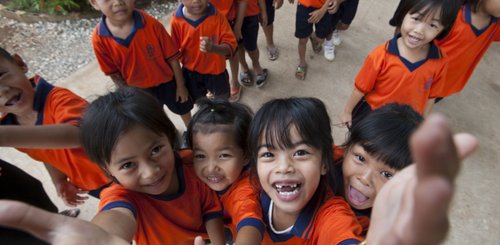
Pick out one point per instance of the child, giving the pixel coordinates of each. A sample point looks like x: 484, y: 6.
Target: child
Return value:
x: 408, y: 69
x: 376, y: 149
x: 42, y: 121
x: 229, y: 9
x: 272, y: 51
x: 309, y: 13
x: 412, y: 208
x: 343, y: 12
x: 218, y: 137
x: 205, y: 40
x: 476, y: 27
x: 155, y: 199
x: 290, y: 148
x: 134, y: 49
x: 249, y: 30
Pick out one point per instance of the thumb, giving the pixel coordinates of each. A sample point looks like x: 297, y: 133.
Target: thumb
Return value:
x: 199, y: 241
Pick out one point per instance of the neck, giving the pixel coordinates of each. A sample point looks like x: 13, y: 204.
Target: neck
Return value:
x: 28, y: 118
x: 282, y: 220
x: 413, y: 54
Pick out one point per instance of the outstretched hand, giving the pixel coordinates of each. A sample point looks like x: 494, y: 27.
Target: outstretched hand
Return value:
x: 53, y: 228
x: 413, y: 207
x: 70, y: 194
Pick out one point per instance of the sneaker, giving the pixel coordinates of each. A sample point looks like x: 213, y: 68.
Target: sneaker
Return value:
x: 336, y: 38
x: 184, y: 141
x: 329, y: 50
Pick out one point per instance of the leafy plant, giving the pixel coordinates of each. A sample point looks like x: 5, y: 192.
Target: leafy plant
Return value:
x: 49, y: 6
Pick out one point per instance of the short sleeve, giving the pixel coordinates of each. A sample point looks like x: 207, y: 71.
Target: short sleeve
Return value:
x: 226, y: 35
x: 367, y: 76
x: 496, y: 36
x: 65, y: 106
x: 338, y: 224
x: 116, y: 196
x: 102, y: 55
x: 170, y: 49
x: 439, y: 81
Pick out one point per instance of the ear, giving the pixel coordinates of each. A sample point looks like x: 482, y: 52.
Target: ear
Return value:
x: 94, y: 5
x: 20, y: 62
x: 323, y: 169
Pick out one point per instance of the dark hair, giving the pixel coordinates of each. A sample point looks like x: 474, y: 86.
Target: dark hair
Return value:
x: 220, y: 115
x: 384, y: 134
x: 474, y: 4
x: 274, y: 121
x: 5, y: 55
x: 110, y: 115
x: 449, y: 11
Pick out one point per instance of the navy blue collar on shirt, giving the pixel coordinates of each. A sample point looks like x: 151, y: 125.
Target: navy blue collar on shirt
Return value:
x: 468, y: 19
x: 210, y: 11
x: 392, y: 47
x: 42, y: 90
x: 139, y: 22
x: 182, y: 183
x: 301, y: 228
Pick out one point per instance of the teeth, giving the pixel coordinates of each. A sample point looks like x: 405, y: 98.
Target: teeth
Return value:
x: 288, y: 193
x: 281, y: 186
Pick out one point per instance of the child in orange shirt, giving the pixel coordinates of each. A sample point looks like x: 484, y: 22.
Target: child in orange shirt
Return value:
x: 42, y: 121
x: 156, y: 198
x: 476, y: 27
x: 290, y: 149
x: 408, y: 69
x: 205, y: 39
x: 377, y: 148
x: 134, y: 49
x: 218, y: 137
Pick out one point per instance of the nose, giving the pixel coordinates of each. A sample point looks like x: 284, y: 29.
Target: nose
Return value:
x: 284, y: 165
x: 365, y: 178
x: 149, y: 170
x: 212, y: 166
x: 419, y: 28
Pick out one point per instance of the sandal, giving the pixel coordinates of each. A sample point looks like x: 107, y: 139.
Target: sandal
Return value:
x: 235, y: 94
x: 246, y: 79
x: 272, y: 53
x: 261, y: 78
x: 73, y: 212
x: 301, y: 72
x: 316, y: 46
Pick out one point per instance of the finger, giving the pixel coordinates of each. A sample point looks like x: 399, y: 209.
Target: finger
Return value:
x: 82, y: 192
x: 466, y: 144
x: 198, y: 240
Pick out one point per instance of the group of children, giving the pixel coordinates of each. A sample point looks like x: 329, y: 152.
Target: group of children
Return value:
x: 275, y: 177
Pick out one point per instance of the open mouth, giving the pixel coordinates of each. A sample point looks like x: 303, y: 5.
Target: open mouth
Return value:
x: 287, y: 191
x: 413, y: 40
x: 13, y: 101
x: 214, y: 178
x: 356, y: 197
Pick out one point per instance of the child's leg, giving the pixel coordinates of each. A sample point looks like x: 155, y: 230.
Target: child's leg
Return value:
x: 302, y: 52
x: 235, y: 86
x: 186, y: 118
x: 303, y: 30
x: 272, y: 50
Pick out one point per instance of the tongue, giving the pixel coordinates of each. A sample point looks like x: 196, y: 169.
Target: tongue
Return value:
x: 357, y: 196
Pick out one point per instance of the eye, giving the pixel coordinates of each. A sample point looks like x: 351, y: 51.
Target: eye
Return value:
x: 386, y: 175
x: 156, y: 150
x: 199, y: 156
x: 359, y: 158
x: 127, y: 165
x: 225, y: 156
x: 300, y: 153
x: 266, y: 155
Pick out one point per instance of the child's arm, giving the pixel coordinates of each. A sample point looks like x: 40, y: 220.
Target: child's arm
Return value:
x: 181, y: 94
x: 70, y: 194
x: 240, y: 15
x: 118, y: 80
x: 346, y: 116
x: 248, y: 235
x: 277, y: 4
x: 428, y: 106
x: 334, y: 5
x: 215, y: 230
x: 263, y: 12
x: 40, y: 137
x: 118, y: 222
x: 207, y: 46
x: 318, y: 14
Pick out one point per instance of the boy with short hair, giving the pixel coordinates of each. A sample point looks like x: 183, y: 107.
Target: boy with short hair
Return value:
x: 40, y: 120
x: 134, y: 49
x: 309, y: 13
x: 205, y: 39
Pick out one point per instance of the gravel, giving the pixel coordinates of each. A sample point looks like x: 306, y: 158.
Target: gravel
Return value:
x: 56, y: 50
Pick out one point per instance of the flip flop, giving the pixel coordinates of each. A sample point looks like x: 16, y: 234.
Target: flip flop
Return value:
x: 246, y: 79
x: 272, y: 53
x: 260, y: 80
x: 301, y: 72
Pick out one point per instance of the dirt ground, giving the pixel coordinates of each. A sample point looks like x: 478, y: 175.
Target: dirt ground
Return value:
x: 473, y: 219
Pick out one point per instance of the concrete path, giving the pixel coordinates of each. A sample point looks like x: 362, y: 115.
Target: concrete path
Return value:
x: 473, y: 216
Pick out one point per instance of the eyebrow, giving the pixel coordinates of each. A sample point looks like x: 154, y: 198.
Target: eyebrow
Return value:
x: 422, y: 15
x: 270, y: 146
x: 128, y: 158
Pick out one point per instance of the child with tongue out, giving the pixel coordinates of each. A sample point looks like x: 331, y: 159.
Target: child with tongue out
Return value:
x: 376, y: 149
x: 290, y: 150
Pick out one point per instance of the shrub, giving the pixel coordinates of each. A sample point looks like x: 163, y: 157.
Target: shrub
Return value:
x: 49, y: 6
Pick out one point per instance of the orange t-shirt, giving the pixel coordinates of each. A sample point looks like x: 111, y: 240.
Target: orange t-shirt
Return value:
x: 167, y: 219
x: 386, y: 77
x: 142, y: 58
x: 186, y: 33
x: 331, y: 223
x: 226, y: 7
x: 241, y: 204
x: 312, y: 3
x: 56, y: 105
x: 464, y: 47
x: 253, y: 7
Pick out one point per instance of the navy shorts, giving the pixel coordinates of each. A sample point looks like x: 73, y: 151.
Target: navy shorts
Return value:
x: 250, y: 32
x: 199, y: 84
x: 303, y: 29
x: 345, y: 14
x: 270, y: 12
x: 166, y: 94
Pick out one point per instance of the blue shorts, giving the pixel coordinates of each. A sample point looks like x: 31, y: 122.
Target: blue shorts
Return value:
x: 270, y: 12
x: 166, y: 94
x: 345, y: 14
x: 250, y: 32
x: 199, y: 84
x: 303, y: 29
